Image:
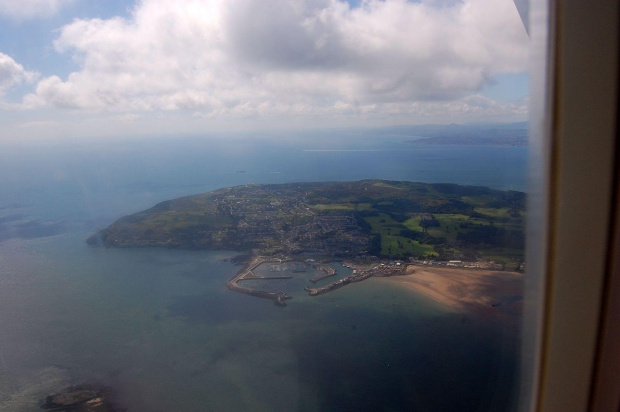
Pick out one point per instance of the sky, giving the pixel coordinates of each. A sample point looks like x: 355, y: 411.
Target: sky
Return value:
x: 97, y: 68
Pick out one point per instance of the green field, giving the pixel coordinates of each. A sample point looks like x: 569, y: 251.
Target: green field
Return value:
x: 446, y: 234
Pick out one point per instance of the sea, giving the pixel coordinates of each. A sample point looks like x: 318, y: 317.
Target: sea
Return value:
x: 161, y: 330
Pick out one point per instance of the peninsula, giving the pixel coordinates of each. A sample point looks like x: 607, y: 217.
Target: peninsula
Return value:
x: 377, y: 224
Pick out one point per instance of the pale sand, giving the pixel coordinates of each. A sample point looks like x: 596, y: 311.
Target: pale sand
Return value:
x: 466, y: 289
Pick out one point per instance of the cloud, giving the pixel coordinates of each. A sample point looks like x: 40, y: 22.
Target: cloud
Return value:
x: 293, y: 57
x: 12, y: 73
x: 29, y: 9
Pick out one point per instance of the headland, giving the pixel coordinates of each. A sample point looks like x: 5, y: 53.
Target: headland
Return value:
x: 377, y: 228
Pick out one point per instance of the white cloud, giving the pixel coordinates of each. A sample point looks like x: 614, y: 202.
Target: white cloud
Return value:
x: 12, y: 73
x: 28, y: 9
x: 286, y: 57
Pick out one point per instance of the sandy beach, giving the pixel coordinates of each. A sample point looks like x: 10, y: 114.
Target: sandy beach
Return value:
x: 466, y: 289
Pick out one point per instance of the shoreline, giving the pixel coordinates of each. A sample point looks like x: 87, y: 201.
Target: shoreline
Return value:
x: 457, y: 289
x: 465, y: 290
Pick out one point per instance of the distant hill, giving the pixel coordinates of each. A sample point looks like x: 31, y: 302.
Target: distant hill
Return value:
x: 337, y: 219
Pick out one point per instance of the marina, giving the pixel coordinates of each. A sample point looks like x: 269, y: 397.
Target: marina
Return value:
x: 351, y: 273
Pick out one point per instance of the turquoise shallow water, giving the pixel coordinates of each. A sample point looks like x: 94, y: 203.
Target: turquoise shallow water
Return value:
x: 161, y: 328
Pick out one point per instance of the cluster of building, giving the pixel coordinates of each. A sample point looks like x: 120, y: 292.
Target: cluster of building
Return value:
x: 487, y: 265
x: 281, y: 221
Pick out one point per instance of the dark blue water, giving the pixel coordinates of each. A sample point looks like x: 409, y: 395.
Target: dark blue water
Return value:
x: 161, y: 328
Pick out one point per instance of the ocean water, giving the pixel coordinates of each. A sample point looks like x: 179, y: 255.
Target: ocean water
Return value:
x: 163, y: 331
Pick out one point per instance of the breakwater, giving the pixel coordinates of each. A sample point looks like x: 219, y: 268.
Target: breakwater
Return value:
x: 278, y: 298
x: 339, y: 283
x: 324, y: 272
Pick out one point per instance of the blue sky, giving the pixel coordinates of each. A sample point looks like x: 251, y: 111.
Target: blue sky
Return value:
x: 507, y: 87
x: 94, y: 68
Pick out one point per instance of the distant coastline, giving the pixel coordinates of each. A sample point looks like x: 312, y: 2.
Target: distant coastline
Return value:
x: 508, y: 134
x: 510, y: 141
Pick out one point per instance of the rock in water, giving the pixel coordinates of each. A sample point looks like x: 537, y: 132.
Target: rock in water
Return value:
x: 80, y: 398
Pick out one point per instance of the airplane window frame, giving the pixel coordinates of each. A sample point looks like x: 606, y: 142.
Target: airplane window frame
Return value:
x: 571, y: 343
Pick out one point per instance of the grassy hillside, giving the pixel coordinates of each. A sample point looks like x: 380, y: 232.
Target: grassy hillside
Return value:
x: 370, y: 217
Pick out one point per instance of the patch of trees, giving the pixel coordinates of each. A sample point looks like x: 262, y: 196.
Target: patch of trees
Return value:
x: 451, y: 206
x: 412, y: 234
x: 399, y: 217
x: 362, y: 223
x: 493, y: 236
x: 478, y: 215
x: 399, y: 207
x: 511, y: 199
x: 454, y: 189
x: 424, y: 238
x: 446, y: 254
x: 365, y: 213
x: 449, y: 254
x: 432, y: 240
x: 426, y: 223
x: 374, y: 247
